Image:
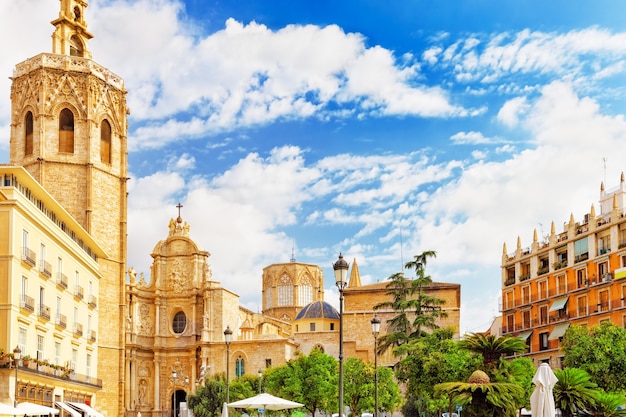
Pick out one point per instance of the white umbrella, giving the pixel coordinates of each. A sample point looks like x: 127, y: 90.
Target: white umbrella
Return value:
x: 542, y: 398
x: 7, y: 410
x: 31, y: 409
x: 225, y: 410
x: 265, y: 401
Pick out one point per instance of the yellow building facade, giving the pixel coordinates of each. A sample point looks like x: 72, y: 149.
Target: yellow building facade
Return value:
x: 49, y: 307
x: 572, y: 277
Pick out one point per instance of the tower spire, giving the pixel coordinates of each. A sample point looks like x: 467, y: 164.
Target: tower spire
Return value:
x: 71, y: 36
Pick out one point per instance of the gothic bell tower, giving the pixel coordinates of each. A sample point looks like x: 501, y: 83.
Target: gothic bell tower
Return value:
x: 69, y: 130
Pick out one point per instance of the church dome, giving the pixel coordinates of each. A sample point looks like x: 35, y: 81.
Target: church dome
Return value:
x: 318, y: 310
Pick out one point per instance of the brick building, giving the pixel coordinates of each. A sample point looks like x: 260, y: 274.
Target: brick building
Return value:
x: 571, y: 277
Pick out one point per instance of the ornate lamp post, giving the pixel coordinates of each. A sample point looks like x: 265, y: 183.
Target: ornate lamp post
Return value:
x: 375, y: 331
x: 228, y: 337
x: 341, y: 280
x: 17, y: 354
x: 174, y: 377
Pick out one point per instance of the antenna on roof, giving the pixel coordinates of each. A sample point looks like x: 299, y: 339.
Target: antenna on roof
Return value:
x: 293, y: 256
x: 401, y: 254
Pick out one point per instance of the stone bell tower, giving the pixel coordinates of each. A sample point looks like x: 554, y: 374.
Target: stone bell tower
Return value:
x: 69, y: 130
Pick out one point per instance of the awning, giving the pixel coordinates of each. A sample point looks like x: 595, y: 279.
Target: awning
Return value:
x: 558, y: 331
x: 559, y: 303
x: 525, y: 335
x: 31, y: 409
x: 84, y: 407
x: 68, y: 409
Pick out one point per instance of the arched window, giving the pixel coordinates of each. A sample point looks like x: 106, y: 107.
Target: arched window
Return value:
x: 285, y: 291
x: 28, y: 134
x: 240, y: 366
x: 105, y: 142
x: 76, y: 47
x: 66, y: 131
x: 305, y: 291
x: 179, y: 323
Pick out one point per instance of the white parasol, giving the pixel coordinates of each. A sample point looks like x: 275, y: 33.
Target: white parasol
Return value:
x: 225, y: 410
x: 8, y: 410
x: 266, y: 402
x: 542, y: 398
x: 31, y: 409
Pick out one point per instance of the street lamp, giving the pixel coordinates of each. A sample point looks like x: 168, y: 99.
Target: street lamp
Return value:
x: 228, y: 337
x: 260, y: 381
x: 174, y: 376
x: 341, y: 280
x: 375, y: 331
x: 17, y: 354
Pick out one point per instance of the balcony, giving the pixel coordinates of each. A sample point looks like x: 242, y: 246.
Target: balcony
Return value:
x: 44, y: 312
x: 559, y: 264
x: 29, y: 256
x: 62, y: 280
x: 543, y: 270
x: 92, y: 336
x: 45, y: 268
x: 61, y: 321
x: 27, y: 302
x: 79, y: 292
x: 78, y: 329
x: 93, y: 301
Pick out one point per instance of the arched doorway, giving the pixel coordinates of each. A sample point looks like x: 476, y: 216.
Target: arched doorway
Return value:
x: 178, y: 396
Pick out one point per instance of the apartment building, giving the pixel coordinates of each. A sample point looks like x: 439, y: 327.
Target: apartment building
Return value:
x: 48, y: 304
x: 572, y: 277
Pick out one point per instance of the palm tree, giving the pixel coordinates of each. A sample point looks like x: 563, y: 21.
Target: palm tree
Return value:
x: 608, y: 404
x: 414, y: 309
x: 482, y: 398
x: 574, y: 392
x: 491, y: 347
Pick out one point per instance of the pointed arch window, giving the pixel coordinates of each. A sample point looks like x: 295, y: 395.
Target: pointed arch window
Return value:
x: 76, y: 47
x: 28, y: 134
x: 66, y: 131
x: 285, y: 291
x: 240, y: 366
x: 105, y: 142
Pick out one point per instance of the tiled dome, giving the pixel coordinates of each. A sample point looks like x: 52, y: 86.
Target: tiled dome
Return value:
x: 318, y: 309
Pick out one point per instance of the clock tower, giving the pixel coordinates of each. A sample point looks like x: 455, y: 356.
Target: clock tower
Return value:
x: 69, y: 130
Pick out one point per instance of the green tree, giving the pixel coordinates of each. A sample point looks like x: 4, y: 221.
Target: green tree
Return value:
x: 245, y: 386
x: 209, y: 398
x: 482, y: 398
x: 427, y: 307
x: 308, y: 379
x: 433, y: 359
x: 359, y: 387
x: 608, y: 405
x: 415, y: 310
x: 492, y: 348
x: 596, y: 349
x: 574, y: 392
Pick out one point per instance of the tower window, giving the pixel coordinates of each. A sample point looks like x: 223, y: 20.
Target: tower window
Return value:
x: 28, y: 134
x: 105, y: 142
x: 76, y: 47
x: 66, y: 131
x: 179, y: 323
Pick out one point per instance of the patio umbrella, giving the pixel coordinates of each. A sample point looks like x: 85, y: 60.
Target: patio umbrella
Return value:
x: 542, y: 398
x: 31, y: 409
x: 266, y: 402
x: 7, y: 410
x: 225, y: 410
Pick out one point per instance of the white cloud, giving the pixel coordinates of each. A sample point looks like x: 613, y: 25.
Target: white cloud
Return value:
x: 470, y: 138
x: 511, y: 111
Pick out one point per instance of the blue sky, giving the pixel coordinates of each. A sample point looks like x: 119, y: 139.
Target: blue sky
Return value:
x: 378, y: 129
